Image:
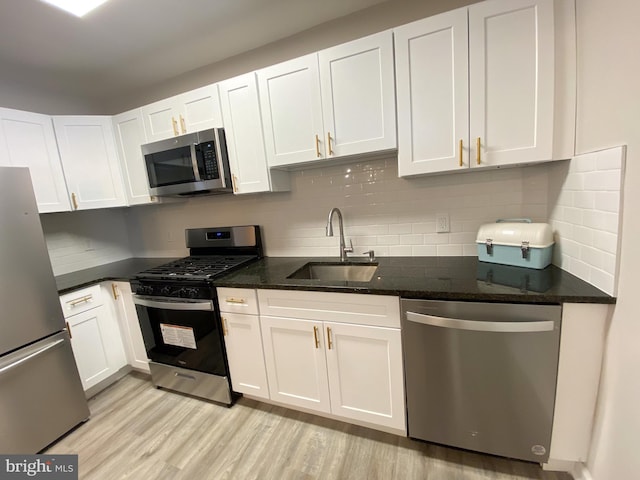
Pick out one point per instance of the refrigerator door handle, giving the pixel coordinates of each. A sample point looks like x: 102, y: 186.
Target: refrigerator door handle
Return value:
x: 480, y: 326
x: 30, y: 356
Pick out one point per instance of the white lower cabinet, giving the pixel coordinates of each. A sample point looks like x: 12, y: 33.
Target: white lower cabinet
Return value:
x: 95, y: 335
x: 364, y: 366
x: 335, y: 353
x: 296, y: 362
x: 125, y: 313
x: 243, y: 341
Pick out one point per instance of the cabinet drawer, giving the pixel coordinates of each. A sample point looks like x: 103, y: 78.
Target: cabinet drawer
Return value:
x: 374, y: 310
x: 238, y: 300
x: 81, y: 300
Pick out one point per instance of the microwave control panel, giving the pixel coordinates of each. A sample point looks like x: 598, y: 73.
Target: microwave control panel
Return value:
x: 210, y: 171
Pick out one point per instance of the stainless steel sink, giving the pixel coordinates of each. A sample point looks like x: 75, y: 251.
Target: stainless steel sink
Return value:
x: 345, y: 272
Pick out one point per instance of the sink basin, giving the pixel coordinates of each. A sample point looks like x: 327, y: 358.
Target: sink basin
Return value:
x: 345, y: 272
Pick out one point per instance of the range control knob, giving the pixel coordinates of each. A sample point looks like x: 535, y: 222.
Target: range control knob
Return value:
x: 144, y: 290
x: 165, y: 291
x: 189, y: 292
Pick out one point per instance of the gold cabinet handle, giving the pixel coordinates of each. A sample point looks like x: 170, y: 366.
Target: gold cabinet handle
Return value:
x: 225, y: 330
x: 461, y: 153
x: 329, y: 342
x: 315, y: 336
x: 74, y: 200
x: 329, y: 143
x: 69, y: 330
x: 174, y: 124
x: 78, y: 301
x: 183, y: 125
x: 478, y: 150
x: 114, y: 289
x: 318, y: 154
x: 234, y: 181
x: 237, y: 301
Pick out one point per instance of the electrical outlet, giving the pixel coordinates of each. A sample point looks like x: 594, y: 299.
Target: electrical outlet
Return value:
x: 442, y: 223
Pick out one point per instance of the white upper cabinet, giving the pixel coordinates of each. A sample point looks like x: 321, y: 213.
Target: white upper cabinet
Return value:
x: 189, y: 112
x: 28, y: 140
x: 358, y: 96
x: 129, y: 131
x: 511, y: 86
x: 433, y: 94
x: 292, y: 111
x: 245, y: 138
x: 89, y: 156
x: 517, y: 105
x: 338, y: 102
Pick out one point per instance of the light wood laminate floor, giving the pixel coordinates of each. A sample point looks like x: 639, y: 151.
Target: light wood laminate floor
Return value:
x: 139, y: 432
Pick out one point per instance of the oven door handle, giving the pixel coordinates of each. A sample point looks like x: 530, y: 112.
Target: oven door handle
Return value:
x: 182, y: 304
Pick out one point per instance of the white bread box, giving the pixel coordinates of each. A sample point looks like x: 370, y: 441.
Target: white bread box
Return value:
x: 517, y: 242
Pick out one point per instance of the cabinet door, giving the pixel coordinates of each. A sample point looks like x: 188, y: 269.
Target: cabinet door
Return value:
x: 365, y: 373
x: 243, y: 129
x: 296, y: 363
x: 511, y: 81
x: 125, y: 311
x: 243, y: 342
x: 27, y: 140
x: 358, y: 96
x: 200, y: 109
x: 129, y: 132
x: 161, y: 119
x: 433, y: 94
x: 292, y: 111
x: 90, y: 160
x: 97, y: 349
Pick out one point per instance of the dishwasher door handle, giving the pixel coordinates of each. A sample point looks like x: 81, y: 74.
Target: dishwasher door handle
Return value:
x: 481, y: 326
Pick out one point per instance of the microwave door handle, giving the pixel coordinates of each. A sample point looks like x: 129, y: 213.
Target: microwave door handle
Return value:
x: 219, y: 159
x: 203, y: 305
x: 194, y: 163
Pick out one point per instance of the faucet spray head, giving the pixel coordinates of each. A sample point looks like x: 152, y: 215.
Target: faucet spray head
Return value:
x: 329, y: 230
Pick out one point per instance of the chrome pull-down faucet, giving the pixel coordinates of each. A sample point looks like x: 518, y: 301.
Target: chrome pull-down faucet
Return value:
x: 343, y: 248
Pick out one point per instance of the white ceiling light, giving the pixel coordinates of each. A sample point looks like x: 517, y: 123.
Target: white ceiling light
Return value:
x: 78, y: 8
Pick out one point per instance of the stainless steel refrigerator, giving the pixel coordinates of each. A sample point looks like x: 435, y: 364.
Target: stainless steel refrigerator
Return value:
x: 41, y: 396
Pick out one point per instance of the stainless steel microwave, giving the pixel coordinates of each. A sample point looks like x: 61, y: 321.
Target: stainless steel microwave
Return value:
x: 191, y: 164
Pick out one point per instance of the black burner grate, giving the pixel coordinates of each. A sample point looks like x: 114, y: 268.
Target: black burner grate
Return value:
x: 197, y: 267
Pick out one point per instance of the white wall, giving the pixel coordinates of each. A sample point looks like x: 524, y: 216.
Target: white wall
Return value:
x: 391, y: 215
x: 607, y: 115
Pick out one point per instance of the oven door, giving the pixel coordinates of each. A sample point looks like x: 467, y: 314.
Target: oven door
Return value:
x: 182, y: 332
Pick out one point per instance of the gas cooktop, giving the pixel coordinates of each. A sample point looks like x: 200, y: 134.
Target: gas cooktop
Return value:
x: 213, y: 251
x: 197, y: 267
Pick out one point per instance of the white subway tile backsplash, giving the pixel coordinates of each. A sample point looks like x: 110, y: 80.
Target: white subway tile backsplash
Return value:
x: 605, y: 241
x: 585, y: 205
x: 400, y: 250
x: 611, y: 159
x: 607, y: 201
x: 602, y: 180
x: 424, y: 251
x: 449, y: 250
x: 393, y: 216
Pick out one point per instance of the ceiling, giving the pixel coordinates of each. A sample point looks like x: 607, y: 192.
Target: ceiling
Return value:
x: 126, y: 45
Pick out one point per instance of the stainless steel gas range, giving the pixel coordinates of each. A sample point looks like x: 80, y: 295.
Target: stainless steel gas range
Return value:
x: 179, y: 316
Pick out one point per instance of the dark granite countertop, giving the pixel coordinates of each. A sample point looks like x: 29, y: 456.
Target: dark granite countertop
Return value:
x: 438, y: 278
x: 120, y: 271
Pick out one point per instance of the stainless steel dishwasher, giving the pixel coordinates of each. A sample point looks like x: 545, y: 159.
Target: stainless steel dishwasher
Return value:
x: 482, y: 376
